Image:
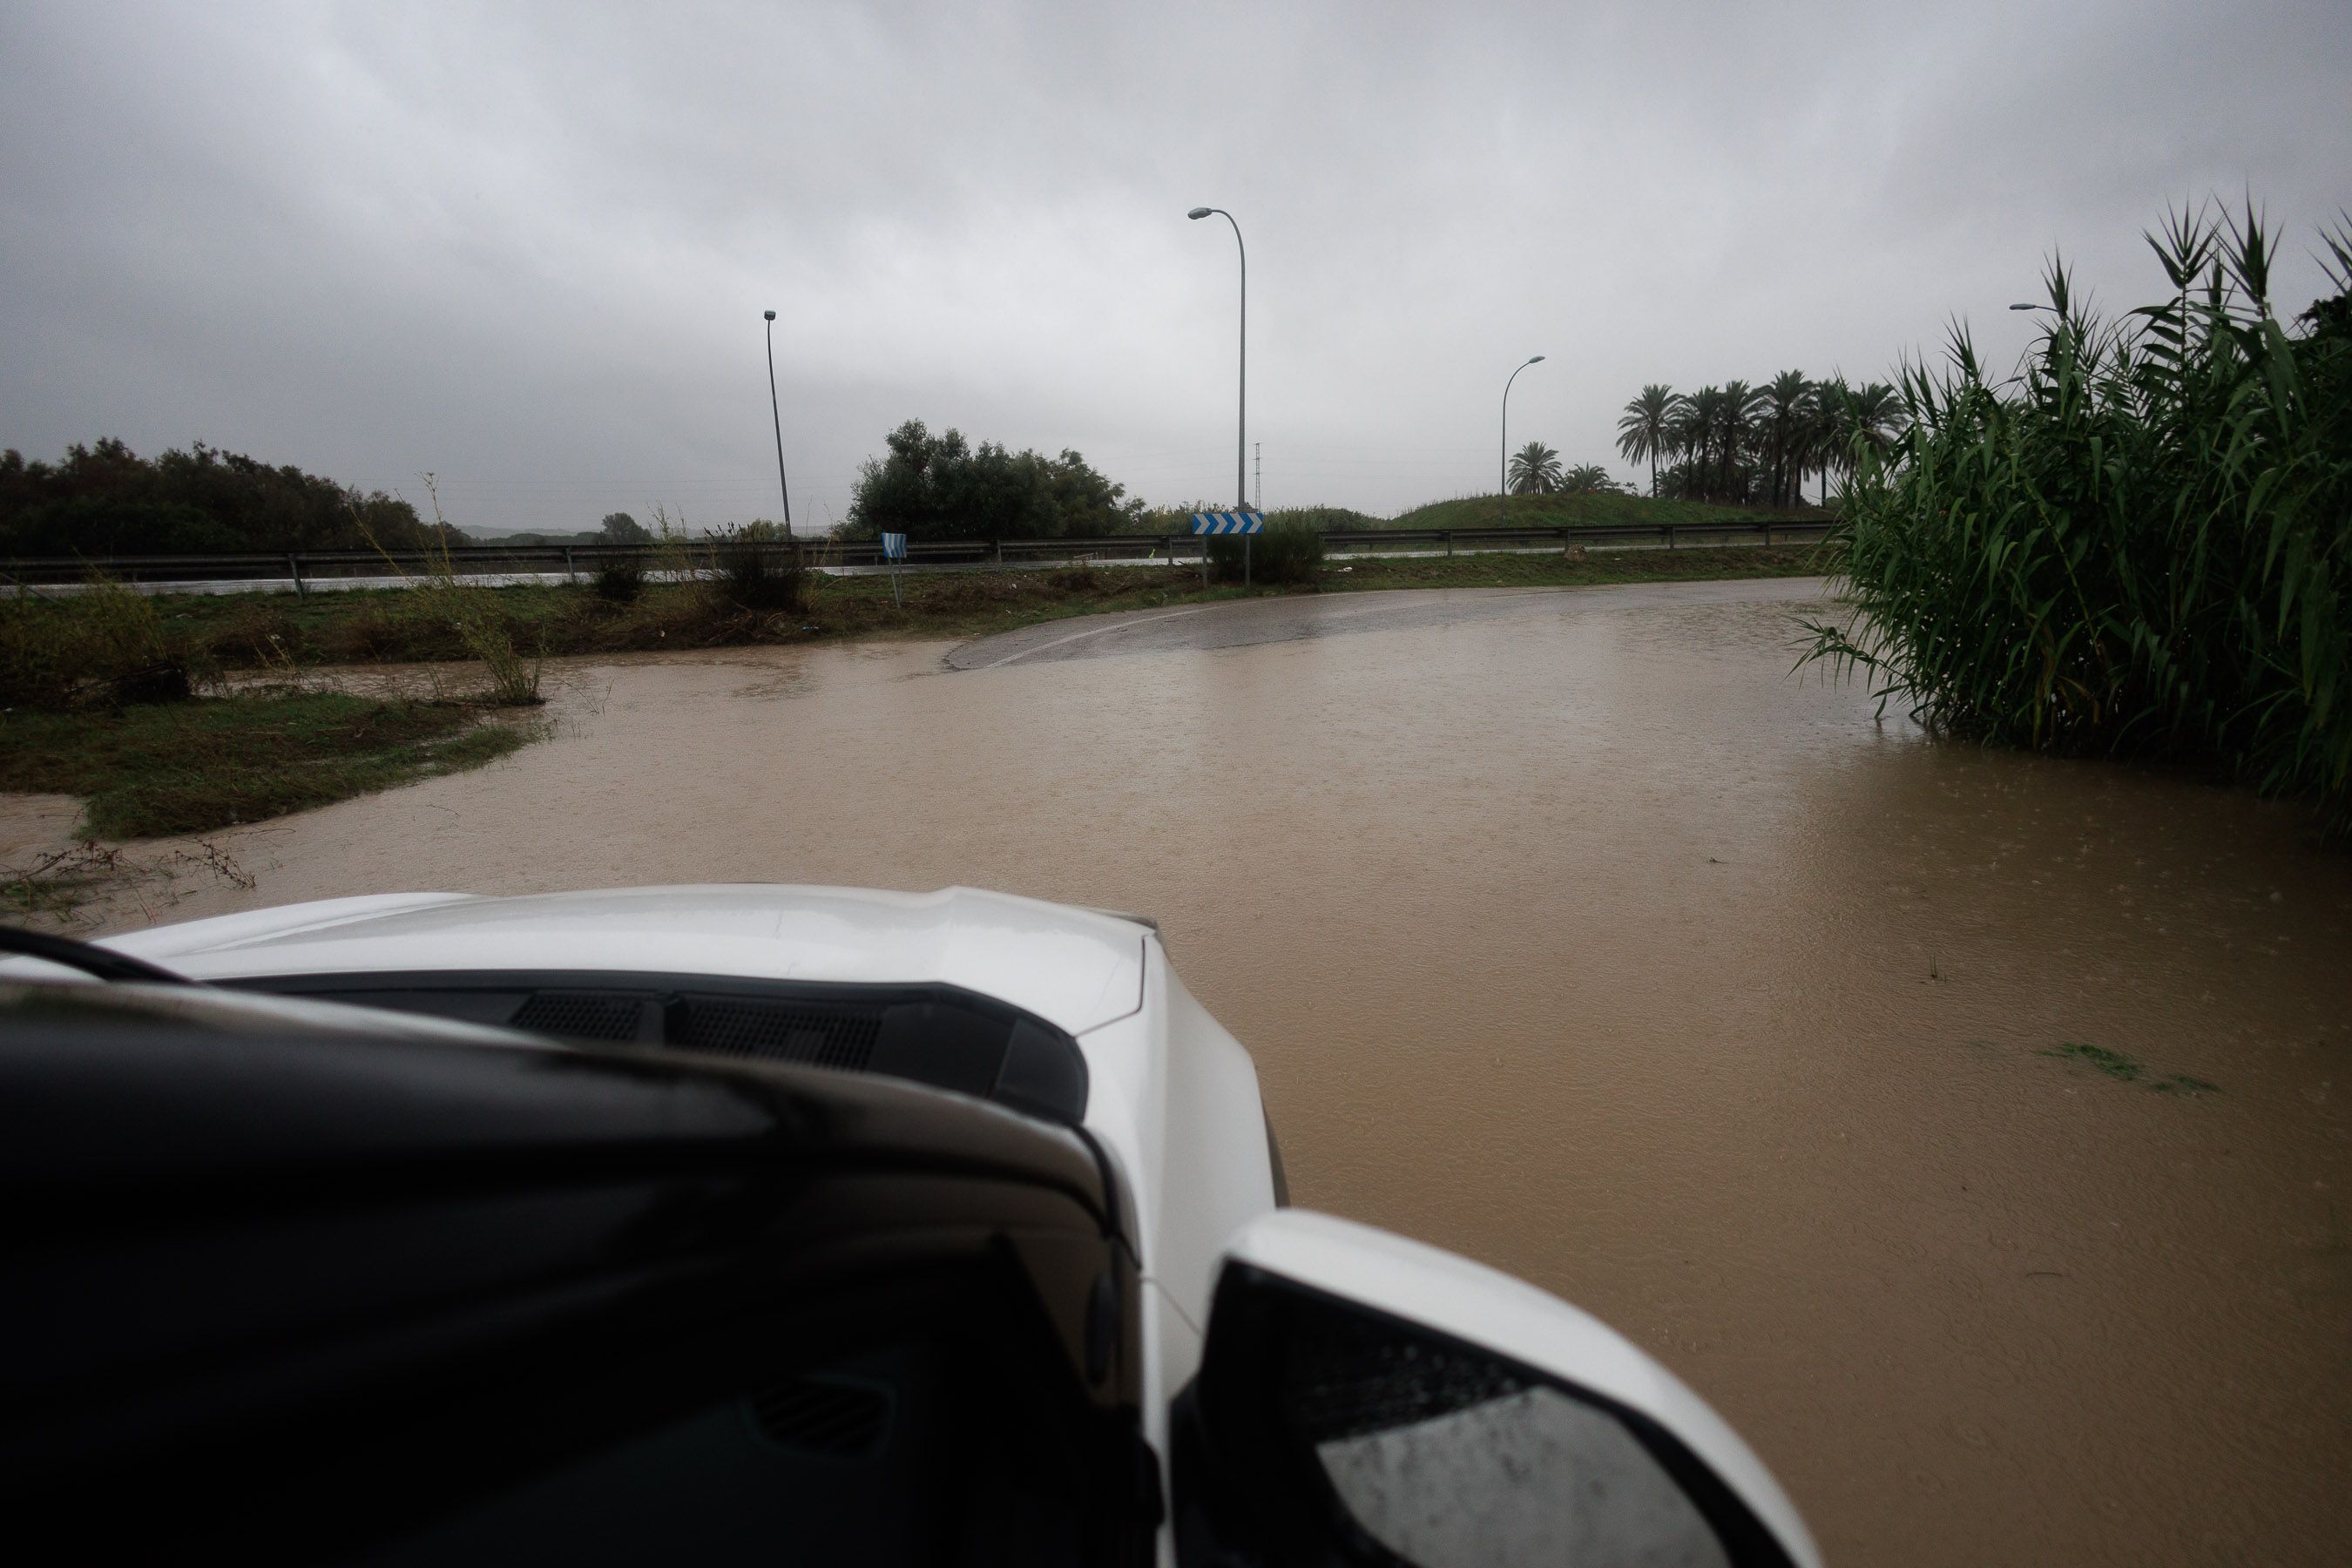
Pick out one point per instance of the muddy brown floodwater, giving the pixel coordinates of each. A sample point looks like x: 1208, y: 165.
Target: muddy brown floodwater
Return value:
x: 1571, y: 933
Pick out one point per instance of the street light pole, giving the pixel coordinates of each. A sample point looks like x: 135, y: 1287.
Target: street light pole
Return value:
x: 1240, y: 437
x: 1506, y: 467
x: 776, y: 415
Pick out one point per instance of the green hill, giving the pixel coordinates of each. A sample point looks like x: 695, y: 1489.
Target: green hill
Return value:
x: 1581, y: 510
x: 484, y: 536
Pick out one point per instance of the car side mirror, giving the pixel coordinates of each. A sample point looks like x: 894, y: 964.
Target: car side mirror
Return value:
x: 1363, y: 1398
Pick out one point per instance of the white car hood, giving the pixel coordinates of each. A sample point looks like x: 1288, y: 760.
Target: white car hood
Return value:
x: 1071, y: 967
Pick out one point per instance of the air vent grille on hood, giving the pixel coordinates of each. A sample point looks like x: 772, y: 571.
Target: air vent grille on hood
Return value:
x: 581, y: 1015
x: 840, y: 1037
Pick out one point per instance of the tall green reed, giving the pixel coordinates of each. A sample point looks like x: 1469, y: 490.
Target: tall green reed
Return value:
x: 2137, y: 546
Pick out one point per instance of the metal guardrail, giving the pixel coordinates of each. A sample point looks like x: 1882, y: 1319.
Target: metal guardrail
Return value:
x: 574, y: 560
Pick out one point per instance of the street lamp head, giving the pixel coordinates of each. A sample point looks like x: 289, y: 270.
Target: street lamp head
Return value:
x: 1199, y: 212
x: 1537, y: 360
x: 768, y: 315
x: 2030, y: 307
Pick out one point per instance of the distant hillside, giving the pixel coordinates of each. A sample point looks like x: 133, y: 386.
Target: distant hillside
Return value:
x: 486, y: 536
x: 1580, y: 511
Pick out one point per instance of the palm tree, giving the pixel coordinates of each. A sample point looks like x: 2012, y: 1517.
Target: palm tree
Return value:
x: 1588, y: 479
x: 1735, y: 423
x: 1853, y: 418
x: 1695, y: 421
x: 1879, y: 415
x: 1831, y: 399
x: 1783, y: 423
x: 1647, y: 429
x: 1535, y: 471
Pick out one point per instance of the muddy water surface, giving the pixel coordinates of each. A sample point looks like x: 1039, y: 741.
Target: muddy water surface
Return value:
x: 1576, y: 936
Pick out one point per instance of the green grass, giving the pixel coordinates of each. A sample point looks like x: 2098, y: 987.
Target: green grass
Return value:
x: 2125, y: 1069
x: 152, y: 769
x: 2115, y: 1064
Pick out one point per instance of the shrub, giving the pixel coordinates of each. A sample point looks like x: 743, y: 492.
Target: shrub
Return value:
x: 2141, y: 550
x: 1289, y: 552
x: 760, y: 569
x: 621, y: 579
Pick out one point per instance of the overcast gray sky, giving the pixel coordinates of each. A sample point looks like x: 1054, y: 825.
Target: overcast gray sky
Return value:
x: 527, y: 247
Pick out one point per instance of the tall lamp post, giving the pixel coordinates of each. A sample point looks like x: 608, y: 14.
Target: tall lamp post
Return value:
x: 776, y: 415
x: 1506, y: 471
x: 1241, y: 439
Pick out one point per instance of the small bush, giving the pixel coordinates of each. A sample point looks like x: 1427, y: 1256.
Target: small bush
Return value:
x: 760, y: 569
x: 620, y: 579
x: 1288, y: 553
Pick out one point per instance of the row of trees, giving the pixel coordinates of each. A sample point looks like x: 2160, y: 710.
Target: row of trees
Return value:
x: 943, y: 486
x: 1755, y: 444
x: 104, y: 498
x: 1536, y: 470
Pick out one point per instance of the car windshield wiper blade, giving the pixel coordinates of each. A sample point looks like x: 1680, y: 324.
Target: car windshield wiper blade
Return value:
x: 103, y: 963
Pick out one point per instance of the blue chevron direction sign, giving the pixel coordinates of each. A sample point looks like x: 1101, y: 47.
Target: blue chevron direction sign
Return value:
x: 894, y: 547
x: 1228, y: 522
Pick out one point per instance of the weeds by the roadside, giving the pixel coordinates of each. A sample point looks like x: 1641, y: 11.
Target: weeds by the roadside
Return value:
x: 55, y: 887
x: 104, y: 643
x: 472, y: 614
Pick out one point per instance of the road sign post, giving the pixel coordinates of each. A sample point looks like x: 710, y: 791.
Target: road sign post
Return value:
x: 1243, y: 522
x: 894, y: 549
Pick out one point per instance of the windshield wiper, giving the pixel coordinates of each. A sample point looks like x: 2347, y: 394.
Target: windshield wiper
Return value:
x: 103, y: 963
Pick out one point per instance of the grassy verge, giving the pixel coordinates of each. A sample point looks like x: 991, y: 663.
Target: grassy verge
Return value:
x: 394, y: 625
x: 149, y: 769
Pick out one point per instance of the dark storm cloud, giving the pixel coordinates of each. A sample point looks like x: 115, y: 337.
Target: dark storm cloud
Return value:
x: 528, y: 248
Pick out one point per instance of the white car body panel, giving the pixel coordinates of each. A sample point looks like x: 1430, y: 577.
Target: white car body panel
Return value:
x: 1173, y: 1098
x: 1071, y: 967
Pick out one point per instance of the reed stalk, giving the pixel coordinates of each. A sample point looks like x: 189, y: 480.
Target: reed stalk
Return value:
x: 2137, y: 546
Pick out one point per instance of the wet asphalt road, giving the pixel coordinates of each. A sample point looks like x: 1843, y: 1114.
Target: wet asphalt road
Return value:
x: 1292, y: 617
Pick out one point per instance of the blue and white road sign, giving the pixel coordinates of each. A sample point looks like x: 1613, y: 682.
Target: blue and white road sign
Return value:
x: 1228, y: 522
x: 894, y: 547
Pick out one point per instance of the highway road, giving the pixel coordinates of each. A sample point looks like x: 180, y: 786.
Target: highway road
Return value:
x: 1243, y: 622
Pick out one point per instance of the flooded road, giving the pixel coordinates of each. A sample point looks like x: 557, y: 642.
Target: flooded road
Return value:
x: 1969, y: 1128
